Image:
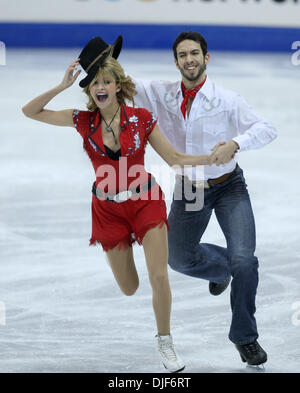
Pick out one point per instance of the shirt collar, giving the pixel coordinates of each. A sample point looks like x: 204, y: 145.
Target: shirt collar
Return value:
x: 206, y: 89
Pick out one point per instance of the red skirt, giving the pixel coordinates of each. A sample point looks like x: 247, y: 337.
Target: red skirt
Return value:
x: 121, y: 224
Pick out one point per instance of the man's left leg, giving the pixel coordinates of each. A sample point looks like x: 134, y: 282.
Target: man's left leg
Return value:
x: 235, y: 216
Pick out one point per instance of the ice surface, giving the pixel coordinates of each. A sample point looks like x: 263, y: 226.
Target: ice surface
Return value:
x: 61, y: 309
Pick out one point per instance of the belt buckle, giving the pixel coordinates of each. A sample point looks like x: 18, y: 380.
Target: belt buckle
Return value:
x: 122, y: 196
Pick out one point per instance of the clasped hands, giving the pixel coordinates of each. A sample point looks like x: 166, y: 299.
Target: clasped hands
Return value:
x: 223, y: 152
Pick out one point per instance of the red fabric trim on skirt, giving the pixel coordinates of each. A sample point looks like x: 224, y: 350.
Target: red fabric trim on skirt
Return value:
x: 122, y: 224
x: 128, y: 242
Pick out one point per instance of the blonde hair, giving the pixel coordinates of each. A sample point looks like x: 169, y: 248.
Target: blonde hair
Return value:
x: 127, y: 86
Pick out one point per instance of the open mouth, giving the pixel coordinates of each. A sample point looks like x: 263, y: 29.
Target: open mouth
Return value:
x: 101, y: 97
x: 191, y: 68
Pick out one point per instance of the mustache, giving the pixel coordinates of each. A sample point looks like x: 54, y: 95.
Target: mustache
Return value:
x: 202, y: 68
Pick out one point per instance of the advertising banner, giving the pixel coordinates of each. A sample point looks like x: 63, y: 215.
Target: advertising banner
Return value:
x: 281, y: 13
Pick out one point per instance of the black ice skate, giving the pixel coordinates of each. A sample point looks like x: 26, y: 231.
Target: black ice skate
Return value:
x: 216, y: 289
x: 252, y: 353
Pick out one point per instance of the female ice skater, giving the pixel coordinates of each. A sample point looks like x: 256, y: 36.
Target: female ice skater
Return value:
x: 125, y: 207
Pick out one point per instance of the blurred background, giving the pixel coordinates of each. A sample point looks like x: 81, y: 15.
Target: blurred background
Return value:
x: 243, y: 25
x: 60, y: 309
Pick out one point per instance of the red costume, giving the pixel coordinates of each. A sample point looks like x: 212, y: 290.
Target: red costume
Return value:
x: 121, y: 223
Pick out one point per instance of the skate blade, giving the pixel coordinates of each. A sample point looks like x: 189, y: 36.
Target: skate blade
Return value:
x: 260, y: 368
x: 172, y: 372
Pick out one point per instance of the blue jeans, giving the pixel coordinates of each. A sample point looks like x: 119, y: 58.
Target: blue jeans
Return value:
x: 231, y: 203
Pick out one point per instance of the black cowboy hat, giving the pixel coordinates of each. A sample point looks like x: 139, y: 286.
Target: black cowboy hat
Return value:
x: 93, y: 55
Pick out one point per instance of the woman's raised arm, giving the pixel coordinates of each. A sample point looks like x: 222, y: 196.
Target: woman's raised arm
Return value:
x: 35, y: 108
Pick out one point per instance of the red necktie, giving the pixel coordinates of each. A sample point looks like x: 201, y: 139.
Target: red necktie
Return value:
x: 189, y: 93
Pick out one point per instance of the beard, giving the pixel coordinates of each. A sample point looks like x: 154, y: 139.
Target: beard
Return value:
x: 191, y: 78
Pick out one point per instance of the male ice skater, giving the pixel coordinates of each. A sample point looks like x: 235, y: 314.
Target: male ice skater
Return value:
x: 195, y: 114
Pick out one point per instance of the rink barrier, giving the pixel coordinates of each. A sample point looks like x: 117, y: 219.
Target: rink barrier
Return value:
x: 2, y: 53
x: 143, y: 36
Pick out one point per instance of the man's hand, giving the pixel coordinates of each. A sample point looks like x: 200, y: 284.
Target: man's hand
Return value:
x: 223, y: 152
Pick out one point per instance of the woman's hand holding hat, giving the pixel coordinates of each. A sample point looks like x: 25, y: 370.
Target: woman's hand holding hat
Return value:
x: 70, y: 77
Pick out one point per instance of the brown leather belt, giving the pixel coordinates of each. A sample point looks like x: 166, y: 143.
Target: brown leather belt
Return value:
x: 220, y: 179
x: 210, y: 182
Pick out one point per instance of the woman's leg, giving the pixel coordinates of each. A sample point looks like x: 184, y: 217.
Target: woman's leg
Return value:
x: 155, y: 245
x: 123, y: 268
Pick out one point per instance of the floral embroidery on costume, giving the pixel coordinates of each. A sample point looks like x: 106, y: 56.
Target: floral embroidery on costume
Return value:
x: 133, y: 119
x: 75, y: 116
x: 150, y: 123
x: 137, y: 141
x: 136, y: 126
x: 92, y: 144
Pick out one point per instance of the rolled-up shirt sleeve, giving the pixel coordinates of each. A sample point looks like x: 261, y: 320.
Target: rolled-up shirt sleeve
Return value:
x: 253, y: 130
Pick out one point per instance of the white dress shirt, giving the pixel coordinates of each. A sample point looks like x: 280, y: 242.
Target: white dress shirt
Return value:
x: 216, y: 115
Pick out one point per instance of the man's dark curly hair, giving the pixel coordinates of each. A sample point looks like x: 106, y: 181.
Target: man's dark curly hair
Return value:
x: 190, y: 35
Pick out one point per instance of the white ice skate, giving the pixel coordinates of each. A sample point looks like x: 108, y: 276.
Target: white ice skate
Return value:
x: 169, y: 357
